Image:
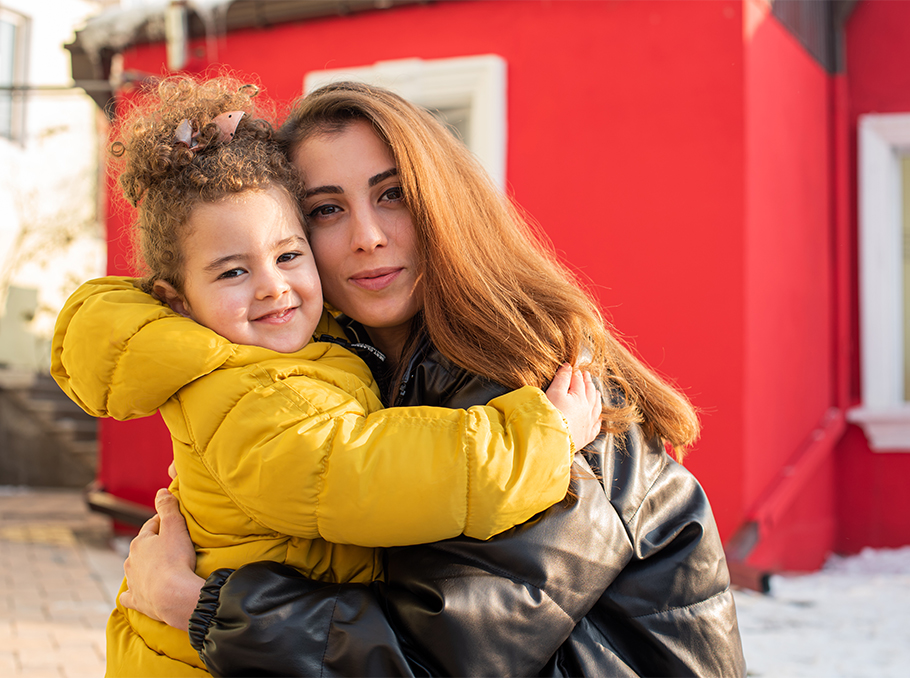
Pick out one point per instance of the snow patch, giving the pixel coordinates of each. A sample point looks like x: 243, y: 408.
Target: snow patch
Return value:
x: 849, y: 620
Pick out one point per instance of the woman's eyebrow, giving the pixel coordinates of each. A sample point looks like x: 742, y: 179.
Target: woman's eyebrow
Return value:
x: 338, y: 190
x: 322, y: 189
x: 391, y: 172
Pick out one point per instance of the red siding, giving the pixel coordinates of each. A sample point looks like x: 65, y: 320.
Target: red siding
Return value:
x: 874, y: 505
x: 625, y: 143
x: 696, y: 171
x: 789, y: 360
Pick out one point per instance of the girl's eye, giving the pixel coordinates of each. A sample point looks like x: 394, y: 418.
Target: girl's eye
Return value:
x: 233, y: 273
x: 287, y: 256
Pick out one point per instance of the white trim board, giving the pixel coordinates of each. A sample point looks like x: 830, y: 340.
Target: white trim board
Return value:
x: 477, y: 83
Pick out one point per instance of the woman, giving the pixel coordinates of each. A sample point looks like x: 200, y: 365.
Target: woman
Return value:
x: 441, y: 274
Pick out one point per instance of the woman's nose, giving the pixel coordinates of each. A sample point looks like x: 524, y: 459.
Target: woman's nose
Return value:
x: 367, y: 233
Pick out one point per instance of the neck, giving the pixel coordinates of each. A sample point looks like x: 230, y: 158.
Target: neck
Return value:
x: 391, y: 341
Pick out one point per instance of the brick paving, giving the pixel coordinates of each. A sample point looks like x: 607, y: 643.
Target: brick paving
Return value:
x: 58, y: 578
x: 59, y: 575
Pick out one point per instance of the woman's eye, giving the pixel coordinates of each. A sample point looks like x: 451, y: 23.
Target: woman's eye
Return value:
x: 393, y: 194
x: 287, y: 256
x: 233, y: 273
x: 323, y: 211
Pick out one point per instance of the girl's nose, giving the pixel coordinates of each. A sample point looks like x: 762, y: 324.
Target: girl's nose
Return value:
x: 367, y: 233
x: 272, y: 283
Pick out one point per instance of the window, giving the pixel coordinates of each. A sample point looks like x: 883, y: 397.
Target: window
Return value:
x: 12, y: 72
x: 468, y: 94
x: 884, y: 276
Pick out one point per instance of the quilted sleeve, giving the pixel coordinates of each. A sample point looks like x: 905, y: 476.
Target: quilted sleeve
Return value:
x: 389, y: 477
x: 118, y: 352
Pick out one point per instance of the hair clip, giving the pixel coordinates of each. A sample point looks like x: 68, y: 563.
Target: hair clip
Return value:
x: 227, y: 124
x: 185, y: 132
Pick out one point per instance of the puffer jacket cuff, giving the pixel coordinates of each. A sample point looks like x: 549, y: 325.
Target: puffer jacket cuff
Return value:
x: 206, y: 608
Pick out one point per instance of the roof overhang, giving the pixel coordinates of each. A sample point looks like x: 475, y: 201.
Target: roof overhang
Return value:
x: 117, y: 29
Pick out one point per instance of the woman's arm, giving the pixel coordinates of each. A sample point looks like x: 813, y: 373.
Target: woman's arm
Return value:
x: 457, y: 607
x: 631, y: 579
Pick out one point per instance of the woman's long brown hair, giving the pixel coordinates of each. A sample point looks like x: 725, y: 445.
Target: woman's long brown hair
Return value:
x: 497, y: 301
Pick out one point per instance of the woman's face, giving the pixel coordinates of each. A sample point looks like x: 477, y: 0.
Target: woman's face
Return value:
x: 361, y: 232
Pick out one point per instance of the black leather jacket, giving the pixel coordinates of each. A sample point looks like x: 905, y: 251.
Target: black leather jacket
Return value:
x: 627, y: 579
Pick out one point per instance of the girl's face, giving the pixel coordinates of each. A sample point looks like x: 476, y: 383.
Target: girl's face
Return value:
x: 249, y: 274
x: 361, y: 232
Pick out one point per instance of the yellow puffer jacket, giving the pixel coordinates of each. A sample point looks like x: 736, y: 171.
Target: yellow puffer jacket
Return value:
x: 290, y: 457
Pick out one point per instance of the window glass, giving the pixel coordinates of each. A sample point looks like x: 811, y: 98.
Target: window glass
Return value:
x: 457, y: 120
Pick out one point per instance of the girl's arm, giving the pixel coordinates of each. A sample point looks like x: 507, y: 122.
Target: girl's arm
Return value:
x: 391, y: 477
x: 358, y: 476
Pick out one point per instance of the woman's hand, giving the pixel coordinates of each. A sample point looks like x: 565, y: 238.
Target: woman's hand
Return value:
x: 574, y: 394
x: 160, y: 570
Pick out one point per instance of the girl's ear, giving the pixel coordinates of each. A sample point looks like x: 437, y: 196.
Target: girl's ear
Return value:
x: 164, y: 290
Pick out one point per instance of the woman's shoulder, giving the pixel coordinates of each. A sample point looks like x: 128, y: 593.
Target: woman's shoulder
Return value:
x: 432, y: 379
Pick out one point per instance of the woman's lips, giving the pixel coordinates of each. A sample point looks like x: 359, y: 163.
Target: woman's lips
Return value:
x: 377, y: 279
x: 277, y: 317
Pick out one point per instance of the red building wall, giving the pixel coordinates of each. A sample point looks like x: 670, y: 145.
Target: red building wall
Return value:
x: 788, y: 290
x: 679, y: 155
x: 874, y: 505
x: 625, y: 142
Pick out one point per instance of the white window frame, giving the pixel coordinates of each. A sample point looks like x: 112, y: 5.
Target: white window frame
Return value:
x: 477, y: 83
x: 884, y: 413
x: 21, y: 22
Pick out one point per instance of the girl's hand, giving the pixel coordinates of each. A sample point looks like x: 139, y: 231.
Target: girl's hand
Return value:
x: 574, y: 394
x: 160, y: 570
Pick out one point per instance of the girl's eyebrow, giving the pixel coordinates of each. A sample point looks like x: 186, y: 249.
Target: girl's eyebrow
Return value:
x: 338, y: 190
x: 222, y: 261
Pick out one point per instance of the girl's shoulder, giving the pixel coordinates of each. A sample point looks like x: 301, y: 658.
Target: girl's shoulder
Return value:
x: 320, y: 372
x: 121, y: 353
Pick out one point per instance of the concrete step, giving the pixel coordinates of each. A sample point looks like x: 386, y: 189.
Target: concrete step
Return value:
x: 46, y: 438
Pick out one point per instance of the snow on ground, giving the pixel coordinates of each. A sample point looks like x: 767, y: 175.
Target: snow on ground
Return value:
x: 849, y: 620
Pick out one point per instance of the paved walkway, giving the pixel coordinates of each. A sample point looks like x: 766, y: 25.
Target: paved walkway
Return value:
x: 59, y: 576
x: 58, y: 579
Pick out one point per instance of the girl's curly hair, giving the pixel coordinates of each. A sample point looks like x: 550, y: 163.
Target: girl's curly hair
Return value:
x: 165, y: 179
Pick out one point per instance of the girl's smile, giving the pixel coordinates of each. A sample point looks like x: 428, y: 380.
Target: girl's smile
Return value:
x: 249, y: 274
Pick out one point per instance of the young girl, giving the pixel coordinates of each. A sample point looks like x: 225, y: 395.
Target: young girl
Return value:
x: 281, y: 446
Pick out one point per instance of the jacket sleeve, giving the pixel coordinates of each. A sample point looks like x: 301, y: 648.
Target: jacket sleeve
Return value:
x: 670, y: 611
x: 626, y: 581
x: 359, y: 474
x: 104, y: 361
x: 391, y: 477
